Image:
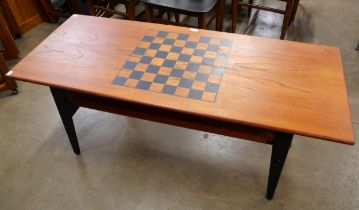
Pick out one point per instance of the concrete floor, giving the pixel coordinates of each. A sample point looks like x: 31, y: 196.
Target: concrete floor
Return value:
x: 133, y: 164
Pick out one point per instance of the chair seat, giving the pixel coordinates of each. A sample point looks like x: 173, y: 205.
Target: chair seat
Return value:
x: 198, y: 6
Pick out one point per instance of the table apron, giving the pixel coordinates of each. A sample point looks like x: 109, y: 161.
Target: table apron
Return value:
x: 151, y: 113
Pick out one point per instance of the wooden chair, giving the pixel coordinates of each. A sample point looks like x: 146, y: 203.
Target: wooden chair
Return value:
x: 191, y: 8
x: 6, y: 40
x: 6, y: 83
x: 106, y: 8
x: 289, y: 12
x: 53, y: 14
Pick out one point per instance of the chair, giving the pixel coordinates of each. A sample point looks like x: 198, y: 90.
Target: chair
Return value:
x: 54, y: 9
x: 6, y: 83
x: 106, y: 8
x: 191, y: 8
x: 7, y: 41
x: 289, y: 12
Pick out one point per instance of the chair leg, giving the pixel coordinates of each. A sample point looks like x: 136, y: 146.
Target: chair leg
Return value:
x: 177, y: 18
x: 149, y: 13
x: 220, y: 15
x: 169, y: 16
x: 234, y: 15
x: 74, y: 7
x: 90, y: 7
x: 130, y: 9
x: 202, y: 21
x: 249, y: 8
x: 287, y: 16
x: 294, y: 11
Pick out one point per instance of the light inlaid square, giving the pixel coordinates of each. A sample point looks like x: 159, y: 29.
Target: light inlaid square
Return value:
x: 148, y: 77
x: 172, y: 56
x: 208, y: 96
x: 157, y: 61
x: 181, y: 65
x: 165, y: 71
x: 131, y: 83
x: 156, y: 87
x: 174, y: 81
x: 198, y: 85
x: 166, y: 48
x: 183, y: 92
x: 189, y: 75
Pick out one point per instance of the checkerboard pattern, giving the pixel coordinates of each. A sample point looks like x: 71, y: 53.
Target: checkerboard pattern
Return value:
x: 178, y: 64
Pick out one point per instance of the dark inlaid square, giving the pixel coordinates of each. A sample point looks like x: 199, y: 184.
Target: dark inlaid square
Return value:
x: 199, y: 52
x: 213, y: 47
x: 193, y: 67
x: 130, y: 65
x: 161, y: 79
x: 177, y: 73
x: 152, y: 69
x: 176, y: 49
x: 139, y: 51
x: 191, y: 44
x: 195, y: 94
x: 146, y: 59
x: 161, y: 54
x: 212, y: 87
x: 183, y: 37
x: 155, y: 46
x: 148, y: 38
x: 202, y: 77
x: 136, y: 75
x: 184, y: 57
x: 119, y: 80
x: 169, y: 41
x: 169, y: 63
x: 143, y: 85
x: 169, y: 89
x: 186, y: 83
x: 162, y: 34
x: 208, y: 61
x: 204, y: 39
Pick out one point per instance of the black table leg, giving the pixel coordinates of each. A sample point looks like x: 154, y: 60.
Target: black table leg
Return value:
x: 281, y: 145
x: 66, y: 111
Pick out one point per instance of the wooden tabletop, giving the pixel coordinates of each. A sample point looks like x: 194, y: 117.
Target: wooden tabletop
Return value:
x: 278, y: 85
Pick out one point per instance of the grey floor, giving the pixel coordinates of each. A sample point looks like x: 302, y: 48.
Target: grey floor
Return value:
x: 133, y: 164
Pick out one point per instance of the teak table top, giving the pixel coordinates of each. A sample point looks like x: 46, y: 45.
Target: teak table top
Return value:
x: 278, y: 85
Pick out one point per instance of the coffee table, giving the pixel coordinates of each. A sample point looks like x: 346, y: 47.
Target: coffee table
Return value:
x: 252, y: 88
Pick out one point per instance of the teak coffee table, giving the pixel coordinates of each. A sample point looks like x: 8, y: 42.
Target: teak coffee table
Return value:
x: 251, y: 88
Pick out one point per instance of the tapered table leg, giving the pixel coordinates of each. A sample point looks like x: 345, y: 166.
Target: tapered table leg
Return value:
x: 281, y: 145
x: 66, y: 111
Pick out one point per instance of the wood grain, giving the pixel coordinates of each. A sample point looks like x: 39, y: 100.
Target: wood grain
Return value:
x: 269, y: 84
